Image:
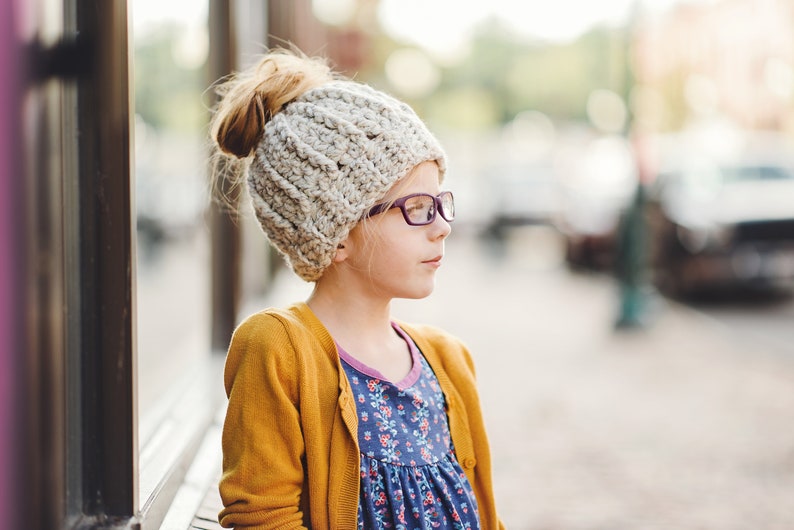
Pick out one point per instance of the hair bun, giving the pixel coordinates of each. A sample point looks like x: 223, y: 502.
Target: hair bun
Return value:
x: 251, y: 98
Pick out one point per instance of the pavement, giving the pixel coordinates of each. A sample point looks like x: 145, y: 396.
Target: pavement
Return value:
x: 682, y: 424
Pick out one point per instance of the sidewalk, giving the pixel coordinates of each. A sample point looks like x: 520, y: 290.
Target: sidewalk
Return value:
x: 679, y: 426
x: 682, y: 425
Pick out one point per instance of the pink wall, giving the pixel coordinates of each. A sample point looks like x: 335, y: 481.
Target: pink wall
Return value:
x: 9, y: 319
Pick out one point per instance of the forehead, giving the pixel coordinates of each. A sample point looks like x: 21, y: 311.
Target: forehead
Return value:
x: 424, y: 178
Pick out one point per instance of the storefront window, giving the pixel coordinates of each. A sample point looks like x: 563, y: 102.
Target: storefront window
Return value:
x: 173, y: 286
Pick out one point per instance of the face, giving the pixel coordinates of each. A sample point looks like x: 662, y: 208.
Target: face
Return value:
x: 389, y: 258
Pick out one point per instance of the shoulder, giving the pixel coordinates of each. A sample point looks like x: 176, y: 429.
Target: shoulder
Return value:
x: 271, y: 323
x: 432, y: 334
x: 274, y: 343
x: 436, y: 343
x: 278, y: 327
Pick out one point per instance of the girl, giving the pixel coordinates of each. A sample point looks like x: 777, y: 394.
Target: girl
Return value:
x: 338, y: 416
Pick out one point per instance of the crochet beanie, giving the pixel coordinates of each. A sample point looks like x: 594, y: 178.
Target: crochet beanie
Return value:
x: 324, y: 160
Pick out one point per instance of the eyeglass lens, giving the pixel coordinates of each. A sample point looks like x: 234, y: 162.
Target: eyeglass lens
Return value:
x: 421, y: 209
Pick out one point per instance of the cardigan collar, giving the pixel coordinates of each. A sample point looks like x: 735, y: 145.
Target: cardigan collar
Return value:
x: 304, y: 313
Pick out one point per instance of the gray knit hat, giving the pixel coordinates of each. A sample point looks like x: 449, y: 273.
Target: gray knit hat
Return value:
x: 324, y: 160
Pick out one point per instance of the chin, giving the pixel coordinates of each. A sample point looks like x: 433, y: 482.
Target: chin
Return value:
x: 419, y: 292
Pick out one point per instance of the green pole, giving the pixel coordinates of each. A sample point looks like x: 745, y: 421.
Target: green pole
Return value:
x: 631, y: 265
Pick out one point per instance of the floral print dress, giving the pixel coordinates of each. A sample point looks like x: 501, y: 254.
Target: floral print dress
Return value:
x: 410, y: 477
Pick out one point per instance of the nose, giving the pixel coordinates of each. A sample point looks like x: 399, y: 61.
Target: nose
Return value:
x: 440, y: 228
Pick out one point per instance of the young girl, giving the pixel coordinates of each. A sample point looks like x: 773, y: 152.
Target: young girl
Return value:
x: 340, y: 417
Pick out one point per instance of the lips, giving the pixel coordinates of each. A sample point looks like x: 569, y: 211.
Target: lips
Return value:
x: 436, y: 260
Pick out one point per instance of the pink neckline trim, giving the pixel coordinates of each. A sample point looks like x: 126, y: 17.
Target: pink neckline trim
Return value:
x: 407, y: 381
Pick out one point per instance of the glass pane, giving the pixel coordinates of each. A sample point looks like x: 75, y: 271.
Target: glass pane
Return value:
x: 173, y: 287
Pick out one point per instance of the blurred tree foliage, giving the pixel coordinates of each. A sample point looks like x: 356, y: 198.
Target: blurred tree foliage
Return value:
x: 504, y: 74
x: 168, y: 95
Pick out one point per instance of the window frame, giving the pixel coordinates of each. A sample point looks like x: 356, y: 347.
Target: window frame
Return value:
x: 76, y: 353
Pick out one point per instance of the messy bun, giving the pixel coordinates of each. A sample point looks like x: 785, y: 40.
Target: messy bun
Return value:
x: 251, y: 98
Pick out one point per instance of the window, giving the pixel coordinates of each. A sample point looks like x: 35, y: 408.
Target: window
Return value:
x: 116, y: 341
x: 178, y: 379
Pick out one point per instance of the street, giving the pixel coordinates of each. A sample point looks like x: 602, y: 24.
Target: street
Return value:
x: 765, y: 320
x: 686, y: 424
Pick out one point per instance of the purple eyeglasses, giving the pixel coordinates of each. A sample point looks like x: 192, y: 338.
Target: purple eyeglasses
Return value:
x: 420, y: 208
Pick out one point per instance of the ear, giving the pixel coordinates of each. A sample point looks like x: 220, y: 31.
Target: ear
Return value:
x: 342, y: 252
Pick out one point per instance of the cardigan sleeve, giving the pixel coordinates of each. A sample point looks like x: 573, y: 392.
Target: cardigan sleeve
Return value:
x: 262, y: 439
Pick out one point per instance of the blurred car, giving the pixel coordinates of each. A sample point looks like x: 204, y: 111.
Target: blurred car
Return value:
x: 594, y: 198
x: 716, y: 225
x: 521, y: 195
x: 590, y: 230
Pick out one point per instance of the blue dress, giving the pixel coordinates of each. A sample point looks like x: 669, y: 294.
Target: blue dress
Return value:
x: 410, y: 477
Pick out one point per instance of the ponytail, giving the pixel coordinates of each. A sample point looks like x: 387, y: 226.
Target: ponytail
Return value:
x: 251, y: 98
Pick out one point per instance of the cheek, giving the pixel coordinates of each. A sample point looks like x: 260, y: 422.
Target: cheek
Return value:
x: 383, y: 252
x: 397, y: 255
x: 381, y: 237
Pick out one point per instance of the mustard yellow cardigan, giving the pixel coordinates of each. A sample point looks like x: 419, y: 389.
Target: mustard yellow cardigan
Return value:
x: 290, y: 444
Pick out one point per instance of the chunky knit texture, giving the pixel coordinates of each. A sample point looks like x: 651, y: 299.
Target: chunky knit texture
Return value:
x: 324, y: 160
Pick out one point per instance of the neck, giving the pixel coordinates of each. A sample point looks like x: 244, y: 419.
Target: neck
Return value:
x: 345, y: 312
x: 361, y: 323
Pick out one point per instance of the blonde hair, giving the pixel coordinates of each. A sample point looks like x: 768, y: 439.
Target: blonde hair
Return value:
x: 251, y: 98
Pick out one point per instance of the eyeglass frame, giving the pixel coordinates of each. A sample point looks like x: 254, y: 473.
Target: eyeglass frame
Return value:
x: 400, y: 203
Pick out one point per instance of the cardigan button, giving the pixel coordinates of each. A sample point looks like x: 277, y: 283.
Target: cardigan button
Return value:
x: 469, y: 462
